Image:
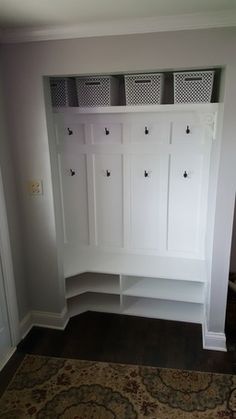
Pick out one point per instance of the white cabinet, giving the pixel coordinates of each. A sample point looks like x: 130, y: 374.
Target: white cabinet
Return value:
x: 134, y: 187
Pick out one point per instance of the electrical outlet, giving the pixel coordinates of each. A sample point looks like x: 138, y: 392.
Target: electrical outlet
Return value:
x: 35, y: 187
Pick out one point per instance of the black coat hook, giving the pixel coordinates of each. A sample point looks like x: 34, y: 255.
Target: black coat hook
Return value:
x: 185, y: 175
x: 108, y: 173
x: 70, y: 132
x: 187, y: 130
x: 107, y: 132
x: 146, y: 174
x: 146, y: 131
x: 72, y: 172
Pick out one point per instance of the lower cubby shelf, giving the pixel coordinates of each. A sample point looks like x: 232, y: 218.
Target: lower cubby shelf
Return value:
x: 163, y: 309
x: 91, y: 301
x: 165, y: 289
x: 136, y: 306
x: 161, y: 298
x: 92, y: 282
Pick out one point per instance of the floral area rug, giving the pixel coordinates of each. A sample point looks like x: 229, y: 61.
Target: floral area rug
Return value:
x: 50, y: 388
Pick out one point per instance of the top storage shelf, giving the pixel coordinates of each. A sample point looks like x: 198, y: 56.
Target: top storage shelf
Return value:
x: 179, y: 107
x: 198, y: 87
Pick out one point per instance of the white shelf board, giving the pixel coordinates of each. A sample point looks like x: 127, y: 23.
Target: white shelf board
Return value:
x: 107, y: 284
x: 177, y: 107
x: 93, y: 302
x: 166, y: 290
x: 178, y: 311
x: 78, y: 260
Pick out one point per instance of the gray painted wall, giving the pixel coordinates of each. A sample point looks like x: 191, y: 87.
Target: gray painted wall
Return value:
x: 13, y: 210
x: 24, y: 67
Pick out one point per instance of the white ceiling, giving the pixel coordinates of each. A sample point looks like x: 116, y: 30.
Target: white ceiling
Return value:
x: 39, y: 13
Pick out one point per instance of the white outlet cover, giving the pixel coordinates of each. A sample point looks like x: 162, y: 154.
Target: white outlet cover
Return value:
x: 35, y: 187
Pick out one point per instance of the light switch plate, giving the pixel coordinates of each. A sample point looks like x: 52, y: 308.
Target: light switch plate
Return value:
x: 35, y: 187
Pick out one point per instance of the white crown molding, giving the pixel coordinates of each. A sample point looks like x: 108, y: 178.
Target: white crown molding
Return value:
x: 121, y: 27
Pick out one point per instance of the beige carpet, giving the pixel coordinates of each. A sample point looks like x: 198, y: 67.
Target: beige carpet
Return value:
x: 45, y: 387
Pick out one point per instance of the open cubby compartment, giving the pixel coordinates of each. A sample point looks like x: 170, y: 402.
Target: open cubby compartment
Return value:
x: 92, y: 301
x: 92, y: 282
x: 163, y: 288
x: 64, y: 92
x: 163, y: 309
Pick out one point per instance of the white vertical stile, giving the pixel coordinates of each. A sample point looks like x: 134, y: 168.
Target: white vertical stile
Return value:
x: 91, y: 201
x: 62, y: 198
x: 126, y: 187
x: 88, y: 133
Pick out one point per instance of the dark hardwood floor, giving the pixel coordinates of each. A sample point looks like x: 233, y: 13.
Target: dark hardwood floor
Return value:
x: 123, y: 339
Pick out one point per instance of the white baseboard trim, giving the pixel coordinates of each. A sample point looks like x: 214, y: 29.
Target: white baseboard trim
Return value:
x: 43, y: 319
x: 213, y: 340
x: 7, y: 357
x: 25, y: 325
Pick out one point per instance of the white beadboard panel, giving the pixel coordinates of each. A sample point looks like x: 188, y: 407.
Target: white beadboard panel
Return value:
x: 184, y: 202
x: 79, y: 260
x: 163, y: 288
x: 71, y: 129
x: 75, y: 196
x: 108, y: 180
x: 185, y: 131
x: 149, y: 129
x: 74, y: 132
x: 162, y: 309
x: 107, y: 133
x: 146, y: 201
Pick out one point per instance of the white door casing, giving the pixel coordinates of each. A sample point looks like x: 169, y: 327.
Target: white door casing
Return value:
x: 5, y: 337
x: 10, y: 312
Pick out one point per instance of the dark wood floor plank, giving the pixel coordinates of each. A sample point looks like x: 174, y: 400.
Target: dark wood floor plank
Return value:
x: 124, y: 339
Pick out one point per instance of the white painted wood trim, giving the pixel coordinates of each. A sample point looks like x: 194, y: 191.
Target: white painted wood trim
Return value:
x: 50, y: 320
x: 215, y: 341
x: 177, y: 107
x: 8, y: 273
x: 7, y: 357
x: 25, y: 325
x: 217, y: 19
x: 211, y: 340
x: 43, y: 319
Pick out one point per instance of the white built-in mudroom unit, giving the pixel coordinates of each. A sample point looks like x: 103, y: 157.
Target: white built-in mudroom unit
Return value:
x: 136, y: 176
